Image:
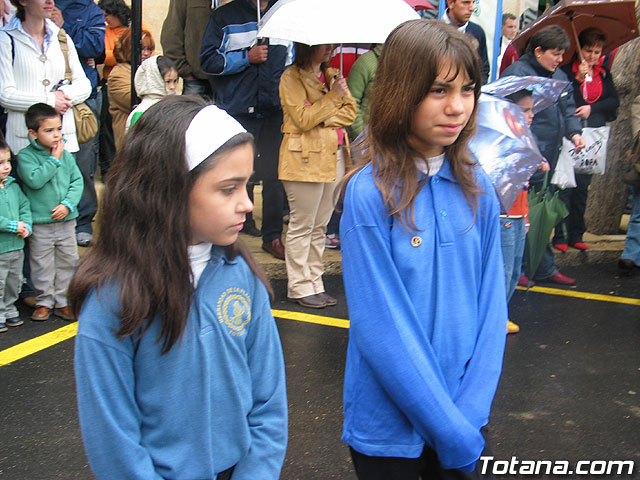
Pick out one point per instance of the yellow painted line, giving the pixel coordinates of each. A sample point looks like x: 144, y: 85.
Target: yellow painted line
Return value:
x: 584, y: 295
x: 34, y: 345
x: 47, y: 340
x: 308, y: 318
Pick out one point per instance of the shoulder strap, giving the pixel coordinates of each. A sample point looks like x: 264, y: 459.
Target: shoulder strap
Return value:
x: 13, y: 51
x: 62, y: 39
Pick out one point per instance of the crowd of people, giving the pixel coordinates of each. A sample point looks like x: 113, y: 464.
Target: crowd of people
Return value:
x: 419, y: 220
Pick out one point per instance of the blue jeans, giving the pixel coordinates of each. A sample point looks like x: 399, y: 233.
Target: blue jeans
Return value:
x: 513, y: 234
x: 87, y: 160
x: 632, y: 243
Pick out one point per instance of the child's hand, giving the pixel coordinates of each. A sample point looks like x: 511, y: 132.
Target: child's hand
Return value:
x: 57, y: 149
x: 60, y: 212
x: 22, y: 231
x: 544, y: 166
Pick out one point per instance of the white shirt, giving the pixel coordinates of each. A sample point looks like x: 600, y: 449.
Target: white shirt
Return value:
x: 199, y: 256
x: 434, y: 163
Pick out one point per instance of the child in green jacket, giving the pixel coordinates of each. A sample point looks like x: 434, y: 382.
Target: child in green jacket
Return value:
x: 53, y: 184
x: 15, y: 226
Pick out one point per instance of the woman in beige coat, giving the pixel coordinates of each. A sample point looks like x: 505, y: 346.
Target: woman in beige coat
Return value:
x: 316, y: 106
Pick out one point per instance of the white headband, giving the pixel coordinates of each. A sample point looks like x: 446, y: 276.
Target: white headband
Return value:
x: 211, y: 128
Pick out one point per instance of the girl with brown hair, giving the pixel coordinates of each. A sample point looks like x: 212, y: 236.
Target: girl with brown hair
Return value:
x: 178, y: 362
x: 422, y: 267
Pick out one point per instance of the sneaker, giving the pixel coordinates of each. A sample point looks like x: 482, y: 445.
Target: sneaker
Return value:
x: 561, y: 279
x: 563, y: 247
x: 3, y: 328
x: 512, y: 327
x: 332, y: 241
x: 580, y: 246
x: 84, y: 239
x: 14, y: 322
x: 523, y: 281
x: 328, y: 299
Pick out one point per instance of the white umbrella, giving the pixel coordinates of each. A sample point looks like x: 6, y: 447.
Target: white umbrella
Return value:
x: 319, y: 22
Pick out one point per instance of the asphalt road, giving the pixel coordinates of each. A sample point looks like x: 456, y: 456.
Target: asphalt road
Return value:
x: 570, y: 389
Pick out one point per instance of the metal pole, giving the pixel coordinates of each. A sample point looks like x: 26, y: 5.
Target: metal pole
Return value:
x: 136, y: 45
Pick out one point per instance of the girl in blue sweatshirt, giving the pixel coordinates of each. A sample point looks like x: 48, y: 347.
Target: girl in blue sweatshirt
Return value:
x: 422, y: 266
x: 178, y: 362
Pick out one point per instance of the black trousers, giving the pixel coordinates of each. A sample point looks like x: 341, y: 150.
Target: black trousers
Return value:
x: 267, y: 135
x: 425, y: 467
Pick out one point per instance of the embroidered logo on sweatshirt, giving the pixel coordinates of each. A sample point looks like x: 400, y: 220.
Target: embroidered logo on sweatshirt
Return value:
x: 234, y: 310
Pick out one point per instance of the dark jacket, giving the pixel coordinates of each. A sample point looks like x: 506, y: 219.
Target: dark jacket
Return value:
x: 554, y: 122
x: 241, y: 87
x: 182, y: 33
x: 603, y: 110
x: 84, y: 23
x: 477, y: 32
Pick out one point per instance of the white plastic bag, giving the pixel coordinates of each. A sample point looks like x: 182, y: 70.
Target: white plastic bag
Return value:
x: 593, y: 157
x: 563, y: 175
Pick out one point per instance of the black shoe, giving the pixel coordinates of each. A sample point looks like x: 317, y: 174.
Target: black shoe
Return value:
x: 250, y: 229
x: 627, y: 266
x: 328, y: 299
x: 310, y: 301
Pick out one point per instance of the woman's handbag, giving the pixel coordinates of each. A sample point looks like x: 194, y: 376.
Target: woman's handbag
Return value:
x: 632, y: 157
x: 86, y: 122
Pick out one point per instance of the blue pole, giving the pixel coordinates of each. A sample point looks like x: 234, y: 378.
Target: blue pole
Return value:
x: 496, y: 42
x: 442, y: 7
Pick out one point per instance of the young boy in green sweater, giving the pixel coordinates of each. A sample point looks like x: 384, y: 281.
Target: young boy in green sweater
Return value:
x: 53, y: 184
x: 15, y: 226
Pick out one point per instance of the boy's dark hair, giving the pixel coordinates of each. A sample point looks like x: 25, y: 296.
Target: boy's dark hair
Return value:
x: 37, y: 113
x: 548, y: 38
x: 117, y: 8
x: 166, y: 65
x: 519, y: 95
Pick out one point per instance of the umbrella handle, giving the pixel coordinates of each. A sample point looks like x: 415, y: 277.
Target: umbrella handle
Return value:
x: 575, y: 38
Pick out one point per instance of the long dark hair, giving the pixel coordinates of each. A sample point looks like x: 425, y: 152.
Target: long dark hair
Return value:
x: 409, y: 63
x: 142, y: 247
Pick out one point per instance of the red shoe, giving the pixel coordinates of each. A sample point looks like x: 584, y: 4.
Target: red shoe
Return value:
x: 561, y: 279
x: 580, y: 246
x: 523, y: 281
x: 563, y: 247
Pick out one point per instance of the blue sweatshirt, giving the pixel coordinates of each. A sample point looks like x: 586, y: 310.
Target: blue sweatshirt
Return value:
x: 215, y: 400
x: 428, y: 320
